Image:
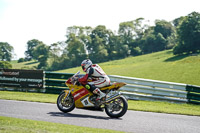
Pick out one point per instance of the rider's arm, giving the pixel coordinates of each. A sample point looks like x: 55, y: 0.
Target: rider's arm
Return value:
x: 84, y: 79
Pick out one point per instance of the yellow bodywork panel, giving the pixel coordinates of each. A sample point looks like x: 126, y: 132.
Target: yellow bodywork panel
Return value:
x: 114, y: 85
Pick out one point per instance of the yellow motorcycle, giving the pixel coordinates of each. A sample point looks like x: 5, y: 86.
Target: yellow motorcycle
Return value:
x: 114, y: 103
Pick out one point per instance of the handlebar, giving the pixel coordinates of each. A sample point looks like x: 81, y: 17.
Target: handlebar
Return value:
x: 76, y: 74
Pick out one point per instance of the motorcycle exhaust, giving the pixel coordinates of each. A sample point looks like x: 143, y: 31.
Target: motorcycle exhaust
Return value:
x: 112, y: 97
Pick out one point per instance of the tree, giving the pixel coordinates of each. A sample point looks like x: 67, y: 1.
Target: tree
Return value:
x: 127, y: 34
x: 81, y: 33
x: 147, y: 43
x: 77, y: 39
x: 140, y: 25
x: 188, y: 34
x: 153, y: 43
x: 20, y: 60
x: 99, y: 46
x: 5, y: 65
x: 71, y: 52
x: 115, y: 48
x: 6, y: 51
x: 75, y: 50
x: 178, y: 21
x: 41, y: 53
x: 131, y: 33
x: 163, y: 27
x: 132, y: 29
x: 55, y: 51
x: 30, y: 48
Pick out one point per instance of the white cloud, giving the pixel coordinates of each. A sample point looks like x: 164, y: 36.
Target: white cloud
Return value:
x: 47, y: 20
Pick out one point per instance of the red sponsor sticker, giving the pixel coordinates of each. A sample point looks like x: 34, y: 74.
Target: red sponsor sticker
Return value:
x: 80, y: 93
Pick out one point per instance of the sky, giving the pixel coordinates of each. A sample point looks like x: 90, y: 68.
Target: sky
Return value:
x: 47, y: 20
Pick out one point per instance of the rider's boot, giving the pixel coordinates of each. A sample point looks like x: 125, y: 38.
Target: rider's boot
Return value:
x: 100, y: 93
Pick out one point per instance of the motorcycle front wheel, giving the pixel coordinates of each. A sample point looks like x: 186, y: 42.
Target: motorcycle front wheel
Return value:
x: 65, y: 104
x: 117, y: 107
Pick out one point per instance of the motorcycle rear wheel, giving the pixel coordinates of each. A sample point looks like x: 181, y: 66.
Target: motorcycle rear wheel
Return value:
x: 65, y: 104
x: 117, y: 107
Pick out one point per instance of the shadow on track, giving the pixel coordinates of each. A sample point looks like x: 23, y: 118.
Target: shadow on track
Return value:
x: 60, y: 114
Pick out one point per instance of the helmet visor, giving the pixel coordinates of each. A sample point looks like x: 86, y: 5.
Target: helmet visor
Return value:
x: 83, y: 68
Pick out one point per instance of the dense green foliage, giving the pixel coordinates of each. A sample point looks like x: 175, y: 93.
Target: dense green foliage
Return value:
x: 41, y: 53
x: 188, y: 34
x: 6, y: 51
x: 101, y: 44
x: 37, y: 50
x: 21, y: 60
x: 30, y: 48
x: 5, y: 64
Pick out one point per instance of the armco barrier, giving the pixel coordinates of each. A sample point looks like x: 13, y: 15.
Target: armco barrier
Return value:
x: 136, y: 88
x: 143, y: 89
x: 193, y: 94
x: 55, y: 82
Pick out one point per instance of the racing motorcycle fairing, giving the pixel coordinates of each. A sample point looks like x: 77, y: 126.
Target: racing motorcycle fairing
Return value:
x: 114, y: 104
x: 82, y: 96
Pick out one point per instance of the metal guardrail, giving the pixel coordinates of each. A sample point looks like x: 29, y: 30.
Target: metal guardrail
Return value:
x: 55, y: 82
x: 136, y: 88
x: 144, y: 89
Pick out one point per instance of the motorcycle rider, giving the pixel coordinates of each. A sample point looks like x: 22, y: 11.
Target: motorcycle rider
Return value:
x: 98, y: 76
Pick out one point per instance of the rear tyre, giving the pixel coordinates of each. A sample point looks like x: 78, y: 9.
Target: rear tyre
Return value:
x: 65, y: 104
x: 117, y: 108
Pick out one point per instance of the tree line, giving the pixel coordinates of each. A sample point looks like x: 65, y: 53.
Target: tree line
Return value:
x: 100, y: 44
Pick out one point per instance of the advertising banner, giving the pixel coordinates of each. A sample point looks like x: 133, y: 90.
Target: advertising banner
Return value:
x: 21, y: 78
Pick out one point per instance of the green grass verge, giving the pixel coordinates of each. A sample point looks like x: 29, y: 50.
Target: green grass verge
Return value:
x: 149, y: 106
x: 28, y: 96
x: 14, y: 125
x: 163, y: 66
x: 165, y: 107
x: 24, y: 65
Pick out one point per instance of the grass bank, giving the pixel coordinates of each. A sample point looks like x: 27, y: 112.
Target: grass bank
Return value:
x: 24, y: 65
x: 149, y: 106
x: 9, y: 125
x: 162, y: 66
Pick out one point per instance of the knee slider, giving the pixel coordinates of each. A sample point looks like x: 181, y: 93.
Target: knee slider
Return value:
x: 87, y: 87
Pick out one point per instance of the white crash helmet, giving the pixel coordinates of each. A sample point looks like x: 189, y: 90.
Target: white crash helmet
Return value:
x: 86, y: 64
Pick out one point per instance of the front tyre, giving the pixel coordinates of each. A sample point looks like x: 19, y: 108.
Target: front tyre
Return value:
x: 117, y: 107
x: 65, y: 104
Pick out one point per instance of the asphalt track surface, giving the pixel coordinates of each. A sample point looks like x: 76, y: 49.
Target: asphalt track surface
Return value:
x: 132, y: 121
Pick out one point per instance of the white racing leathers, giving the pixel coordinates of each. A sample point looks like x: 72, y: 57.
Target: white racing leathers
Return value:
x: 99, y: 77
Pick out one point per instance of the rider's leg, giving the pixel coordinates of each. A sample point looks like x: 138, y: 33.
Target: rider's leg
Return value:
x: 99, y: 92
x: 95, y: 90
